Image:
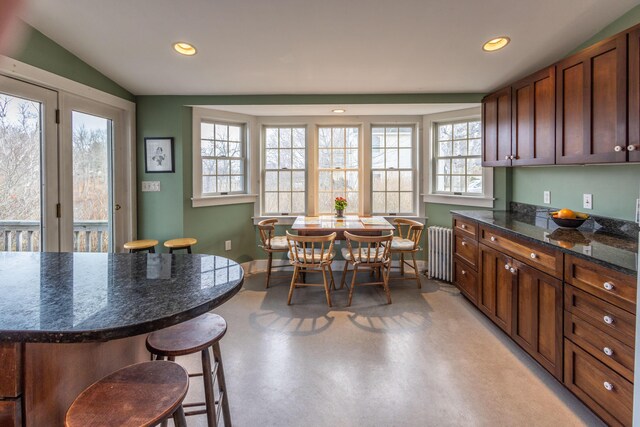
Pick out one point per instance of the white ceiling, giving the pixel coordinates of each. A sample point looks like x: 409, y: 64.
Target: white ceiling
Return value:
x: 350, y: 109
x: 318, y: 47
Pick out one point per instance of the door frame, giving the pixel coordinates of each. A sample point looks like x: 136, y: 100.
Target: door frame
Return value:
x: 49, y: 185
x: 29, y: 74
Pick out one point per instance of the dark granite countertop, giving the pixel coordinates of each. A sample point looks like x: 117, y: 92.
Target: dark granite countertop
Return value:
x: 85, y: 297
x: 596, y: 244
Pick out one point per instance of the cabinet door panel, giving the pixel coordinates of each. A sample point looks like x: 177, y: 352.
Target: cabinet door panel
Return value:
x: 496, y: 124
x: 496, y: 295
x: 634, y: 96
x: 537, y: 321
x: 591, y: 114
x: 533, y: 125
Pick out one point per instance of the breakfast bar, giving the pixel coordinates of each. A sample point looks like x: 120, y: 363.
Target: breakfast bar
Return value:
x: 68, y: 319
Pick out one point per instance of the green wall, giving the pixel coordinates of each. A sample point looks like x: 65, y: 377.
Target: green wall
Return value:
x: 42, y: 52
x: 629, y: 19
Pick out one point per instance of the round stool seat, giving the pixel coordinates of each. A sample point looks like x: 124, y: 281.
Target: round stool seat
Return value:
x: 182, y: 243
x: 138, y: 245
x: 143, y: 394
x: 188, y: 337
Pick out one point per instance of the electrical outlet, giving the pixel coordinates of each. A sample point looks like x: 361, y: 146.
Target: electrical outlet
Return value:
x: 547, y: 197
x: 150, y: 186
x: 586, y: 250
x: 227, y: 245
x: 587, y: 201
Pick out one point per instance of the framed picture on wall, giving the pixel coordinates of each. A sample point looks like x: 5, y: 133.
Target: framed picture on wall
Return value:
x: 158, y: 155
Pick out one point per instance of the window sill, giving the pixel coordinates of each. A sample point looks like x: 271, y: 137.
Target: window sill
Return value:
x: 290, y: 219
x: 477, y: 201
x: 231, y: 199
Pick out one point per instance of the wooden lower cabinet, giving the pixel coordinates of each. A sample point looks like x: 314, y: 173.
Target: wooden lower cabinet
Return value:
x: 467, y: 280
x: 537, y: 318
x: 608, y: 394
x: 495, y: 298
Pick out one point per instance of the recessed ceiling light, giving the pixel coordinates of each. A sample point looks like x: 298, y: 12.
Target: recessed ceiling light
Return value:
x: 339, y: 110
x: 184, y: 48
x: 496, y: 44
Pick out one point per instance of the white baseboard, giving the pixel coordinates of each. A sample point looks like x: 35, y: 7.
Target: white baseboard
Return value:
x: 260, y: 265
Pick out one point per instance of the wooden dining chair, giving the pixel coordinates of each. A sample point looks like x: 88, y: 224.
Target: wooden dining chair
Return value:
x: 367, y: 253
x: 407, y: 242
x: 311, y: 253
x: 272, y: 244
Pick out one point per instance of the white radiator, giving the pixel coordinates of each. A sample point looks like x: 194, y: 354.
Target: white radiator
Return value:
x: 439, y: 241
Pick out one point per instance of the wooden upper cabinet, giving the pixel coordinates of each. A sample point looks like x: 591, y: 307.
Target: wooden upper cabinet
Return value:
x: 533, y: 124
x: 591, y: 98
x: 633, y: 146
x: 496, y: 125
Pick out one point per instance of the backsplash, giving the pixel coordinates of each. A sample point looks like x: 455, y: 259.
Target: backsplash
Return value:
x: 594, y: 224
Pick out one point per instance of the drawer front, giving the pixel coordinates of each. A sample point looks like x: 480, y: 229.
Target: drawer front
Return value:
x: 605, y: 392
x: 537, y: 256
x: 610, y: 285
x: 11, y: 371
x: 466, y: 279
x: 11, y: 413
x: 466, y: 249
x: 613, y: 353
x: 616, y: 322
x: 465, y: 226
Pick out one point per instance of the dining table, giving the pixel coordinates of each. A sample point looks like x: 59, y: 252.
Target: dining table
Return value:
x: 69, y: 319
x: 355, y: 224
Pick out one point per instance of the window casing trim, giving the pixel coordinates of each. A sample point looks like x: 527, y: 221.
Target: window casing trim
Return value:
x: 481, y: 200
x: 200, y: 199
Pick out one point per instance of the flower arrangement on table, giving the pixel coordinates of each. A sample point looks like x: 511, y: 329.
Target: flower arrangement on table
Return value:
x: 340, y: 205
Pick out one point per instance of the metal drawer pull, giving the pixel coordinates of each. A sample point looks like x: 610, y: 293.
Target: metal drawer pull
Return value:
x: 618, y: 148
x: 493, y: 238
x: 533, y: 255
x: 608, y: 286
x: 507, y: 266
x: 464, y: 272
x: 608, y: 351
x: 463, y: 243
x: 608, y: 319
x: 631, y: 148
x: 608, y: 385
x: 506, y: 157
x: 463, y: 226
x: 512, y: 270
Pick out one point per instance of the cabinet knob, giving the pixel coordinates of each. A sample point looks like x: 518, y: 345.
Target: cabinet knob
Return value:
x: 463, y: 243
x: 463, y: 226
x: 608, y: 286
x: 511, y: 157
x: 506, y: 157
x: 463, y: 272
x: 507, y: 266
x: 493, y: 238
x: 608, y: 319
x: 608, y: 386
x: 533, y: 255
x: 607, y: 351
x: 631, y: 148
x: 618, y: 148
x: 513, y: 270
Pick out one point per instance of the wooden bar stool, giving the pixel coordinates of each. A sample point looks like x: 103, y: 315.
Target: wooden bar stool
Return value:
x: 177, y: 244
x: 141, y: 245
x: 143, y: 394
x: 198, y: 335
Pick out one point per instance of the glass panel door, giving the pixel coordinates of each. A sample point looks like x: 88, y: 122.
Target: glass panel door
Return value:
x: 92, y: 139
x: 28, y: 167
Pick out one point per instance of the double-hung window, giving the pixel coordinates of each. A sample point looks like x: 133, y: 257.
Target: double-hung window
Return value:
x: 457, y: 158
x: 392, y: 170
x: 222, y: 151
x: 285, y: 162
x: 338, y: 167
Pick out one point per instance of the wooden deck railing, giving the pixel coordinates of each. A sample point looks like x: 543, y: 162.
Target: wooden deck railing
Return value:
x: 24, y: 236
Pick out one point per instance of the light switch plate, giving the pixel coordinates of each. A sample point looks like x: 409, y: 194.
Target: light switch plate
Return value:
x: 227, y: 245
x: 150, y: 186
x: 547, y: 197
x: 587, y: 201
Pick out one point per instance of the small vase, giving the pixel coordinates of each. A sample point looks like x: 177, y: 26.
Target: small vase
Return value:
x: 339, y: 213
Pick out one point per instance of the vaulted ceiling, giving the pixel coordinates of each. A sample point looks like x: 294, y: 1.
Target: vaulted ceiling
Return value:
x: 318, y: 47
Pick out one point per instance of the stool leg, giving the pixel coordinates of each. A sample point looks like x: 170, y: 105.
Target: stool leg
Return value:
x: 152, y: 250
x: 179, y: 419
x: 208, y: 388
x: 222, y: 385
x: 170, y: 250
x: 189, y: 249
